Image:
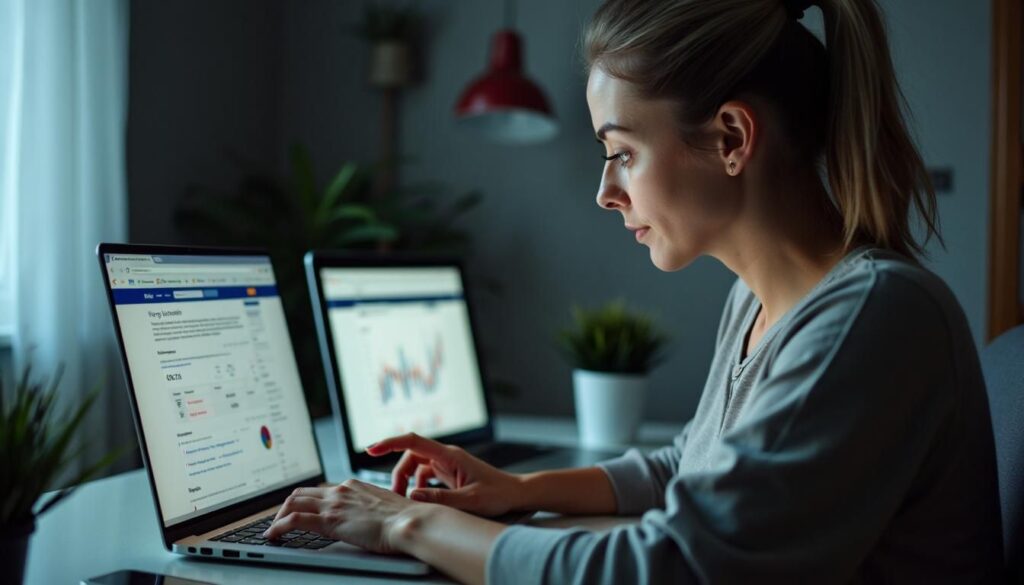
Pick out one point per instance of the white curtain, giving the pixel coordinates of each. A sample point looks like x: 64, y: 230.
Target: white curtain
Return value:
x: 62, y: 186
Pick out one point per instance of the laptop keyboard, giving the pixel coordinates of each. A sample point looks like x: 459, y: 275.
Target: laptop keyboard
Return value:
x: 252, y: 533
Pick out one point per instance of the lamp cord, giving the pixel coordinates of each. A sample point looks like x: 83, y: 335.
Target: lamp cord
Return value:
x: 510, y: 14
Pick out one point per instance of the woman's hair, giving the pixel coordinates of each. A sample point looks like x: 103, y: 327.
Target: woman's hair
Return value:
x: 842, y: 104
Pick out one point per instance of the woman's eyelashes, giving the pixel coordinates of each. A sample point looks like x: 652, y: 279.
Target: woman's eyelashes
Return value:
x: 623, y: 157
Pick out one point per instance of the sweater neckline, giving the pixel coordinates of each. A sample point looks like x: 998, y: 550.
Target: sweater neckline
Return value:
x: 739, y: 361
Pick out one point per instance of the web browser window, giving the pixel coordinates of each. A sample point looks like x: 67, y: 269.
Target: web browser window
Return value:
x: 405, y: 350
x: 214, y: 376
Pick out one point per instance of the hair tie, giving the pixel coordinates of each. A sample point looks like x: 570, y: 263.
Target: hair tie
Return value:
x: 795, y: 8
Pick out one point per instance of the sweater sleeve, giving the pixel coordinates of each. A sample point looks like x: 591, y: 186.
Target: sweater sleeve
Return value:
x: 806, y: 481
x: 639, y: 479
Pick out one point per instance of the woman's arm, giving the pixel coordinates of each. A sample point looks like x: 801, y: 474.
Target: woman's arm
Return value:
x: 569, y: 491
x: 452, y: 541
x: 485, y: 490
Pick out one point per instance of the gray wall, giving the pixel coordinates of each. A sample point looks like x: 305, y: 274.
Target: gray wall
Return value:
x: 204, y: 88
x: 538, y: 232
x: 942, y: 51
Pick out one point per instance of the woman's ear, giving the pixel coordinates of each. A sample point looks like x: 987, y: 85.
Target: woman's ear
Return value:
x: 737, y: 127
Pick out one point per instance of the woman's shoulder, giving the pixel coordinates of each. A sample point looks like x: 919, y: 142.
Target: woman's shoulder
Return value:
x: 866, y: 271
x: 882, y: 296
x: 889, y: 283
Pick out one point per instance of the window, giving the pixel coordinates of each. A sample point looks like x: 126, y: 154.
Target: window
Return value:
x: 11, y: 44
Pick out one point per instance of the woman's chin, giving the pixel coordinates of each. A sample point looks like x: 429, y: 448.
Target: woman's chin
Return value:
x: 670, y: 261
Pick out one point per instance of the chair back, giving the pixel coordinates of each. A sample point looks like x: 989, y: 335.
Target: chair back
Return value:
x: 1003, y: 365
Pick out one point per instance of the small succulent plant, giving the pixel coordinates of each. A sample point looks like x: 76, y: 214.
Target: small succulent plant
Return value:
x: 612, y: 338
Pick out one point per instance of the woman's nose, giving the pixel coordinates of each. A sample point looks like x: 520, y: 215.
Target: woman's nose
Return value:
x: 610, y: 195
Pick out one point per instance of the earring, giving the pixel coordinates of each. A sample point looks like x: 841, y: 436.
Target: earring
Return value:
x: 732, y: 167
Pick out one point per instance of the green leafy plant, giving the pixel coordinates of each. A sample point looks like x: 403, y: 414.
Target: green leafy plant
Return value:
x: 292, y: 216
x: 611, y: 338
x: 36, y: 448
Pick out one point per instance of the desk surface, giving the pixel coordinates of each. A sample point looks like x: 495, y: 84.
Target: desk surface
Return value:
x: 110, y: 524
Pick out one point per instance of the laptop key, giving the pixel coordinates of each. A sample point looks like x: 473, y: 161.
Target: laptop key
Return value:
x: 253, y: 541
x: 230, y: 538
x: 293, y: 544
x: 318, y: 544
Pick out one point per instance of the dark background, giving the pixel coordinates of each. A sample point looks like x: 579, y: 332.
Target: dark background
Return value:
x: 247, y: 78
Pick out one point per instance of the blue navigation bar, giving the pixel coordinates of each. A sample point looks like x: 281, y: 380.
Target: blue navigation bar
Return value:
x: 136, y: 296
x: 335, y: 303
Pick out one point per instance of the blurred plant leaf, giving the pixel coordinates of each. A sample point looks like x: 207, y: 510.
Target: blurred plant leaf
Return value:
x: 370, y: 233
x: 612, y: 338
x: 35, y: 447
x: 338, y: 185
x: 361, y: 213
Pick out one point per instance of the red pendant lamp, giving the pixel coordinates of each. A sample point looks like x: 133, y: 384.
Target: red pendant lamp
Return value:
x: 503, y: 104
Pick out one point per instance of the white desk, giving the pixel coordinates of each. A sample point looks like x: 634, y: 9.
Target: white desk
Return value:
x: 111, y: 524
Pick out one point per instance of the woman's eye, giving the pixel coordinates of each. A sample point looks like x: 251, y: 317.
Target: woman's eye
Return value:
x: 623, y: 157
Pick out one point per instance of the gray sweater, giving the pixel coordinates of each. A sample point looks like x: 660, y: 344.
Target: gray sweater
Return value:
x: 853, y: 445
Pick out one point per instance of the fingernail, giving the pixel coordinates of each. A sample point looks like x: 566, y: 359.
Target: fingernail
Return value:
x: 372, y: 446
x: 265, y: 533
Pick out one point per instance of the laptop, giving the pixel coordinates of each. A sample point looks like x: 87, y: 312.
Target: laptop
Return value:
x: 219, y: 410
x: 401, y: 355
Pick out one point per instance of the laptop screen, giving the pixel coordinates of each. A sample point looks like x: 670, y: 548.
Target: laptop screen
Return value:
x: 215, y: 379
x: 405, y: 351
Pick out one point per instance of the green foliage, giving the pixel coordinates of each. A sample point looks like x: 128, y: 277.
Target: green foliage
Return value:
x: 611, y: 338
x: 36, y: 449
x: 292, y: 216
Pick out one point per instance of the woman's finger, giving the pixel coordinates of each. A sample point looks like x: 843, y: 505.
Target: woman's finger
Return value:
x: 405, y: 467
x: 299, y: 504
x: 296, y: 521
x: 444, y: 473
x: 460, y: 499
x: 423, y: 475
x: 411, y: 442
x: 310, y: 492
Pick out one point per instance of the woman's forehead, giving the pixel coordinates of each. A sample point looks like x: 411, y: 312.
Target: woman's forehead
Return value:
x: 614, y: 101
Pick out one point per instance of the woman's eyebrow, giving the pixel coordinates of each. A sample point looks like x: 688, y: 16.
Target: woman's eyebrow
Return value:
x: 608, y: 127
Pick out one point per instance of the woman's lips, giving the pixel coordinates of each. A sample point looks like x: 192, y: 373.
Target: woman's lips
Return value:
x: 639, y: 232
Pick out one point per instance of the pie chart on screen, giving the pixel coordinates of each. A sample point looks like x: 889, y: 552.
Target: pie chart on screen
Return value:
x: 265, y: 437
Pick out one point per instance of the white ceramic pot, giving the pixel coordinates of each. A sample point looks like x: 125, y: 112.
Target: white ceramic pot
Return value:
x: 608, y: 407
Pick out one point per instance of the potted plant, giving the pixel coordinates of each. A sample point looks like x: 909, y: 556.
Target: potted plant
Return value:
x: 35, y: 452
x: 612, y: 350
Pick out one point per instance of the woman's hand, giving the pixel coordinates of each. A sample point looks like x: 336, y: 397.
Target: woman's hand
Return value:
x: 474, y: 486
x: 354, y: 512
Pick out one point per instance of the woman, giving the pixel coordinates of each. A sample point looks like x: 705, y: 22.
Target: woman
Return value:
x: 843, y: 433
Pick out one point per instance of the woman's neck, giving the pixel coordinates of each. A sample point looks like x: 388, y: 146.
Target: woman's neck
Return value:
x: 783, y: 246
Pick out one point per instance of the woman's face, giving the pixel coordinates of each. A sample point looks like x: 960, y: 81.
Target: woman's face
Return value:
x: 676, y: 199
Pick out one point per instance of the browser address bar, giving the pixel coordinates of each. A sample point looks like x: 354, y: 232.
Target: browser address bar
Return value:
x: 199, y: 270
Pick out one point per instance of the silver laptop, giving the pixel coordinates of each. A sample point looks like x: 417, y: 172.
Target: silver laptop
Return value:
x: 219, y: 410
x: 400, y: 355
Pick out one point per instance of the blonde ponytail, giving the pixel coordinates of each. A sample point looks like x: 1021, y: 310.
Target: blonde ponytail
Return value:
x: 875, y: 172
